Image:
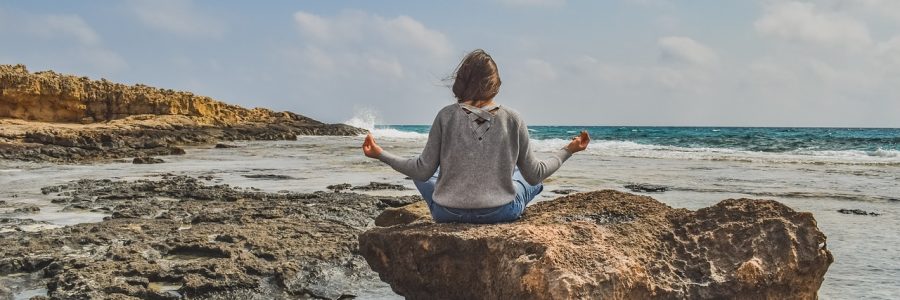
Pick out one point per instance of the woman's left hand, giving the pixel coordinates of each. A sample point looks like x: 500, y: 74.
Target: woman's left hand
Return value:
x: 579, y: 143
x: 370, y: 148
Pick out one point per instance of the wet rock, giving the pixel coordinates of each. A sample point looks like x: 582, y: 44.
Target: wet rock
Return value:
x: 178, y: 237
x: 373, y: 186
x: 400, y: 201
x: 607, y: 245
x: 646, y: 188
x: 2, y: 203
x: 51, y: 189
x: 225, y: 146
x: 18, y: 224
x: 859, y: 212
x: 404, y: 215
x: 564, y: 191
x: 268, y: 176
x: 27, y: 209
x: 338, y: 187
x: 147, y: 160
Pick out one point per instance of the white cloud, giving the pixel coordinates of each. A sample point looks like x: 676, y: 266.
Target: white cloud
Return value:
x: 407, y: 31
x: 356, y: 28
x: 359, y: 58
x: 686, y: 50
x: 361, y: 43
x: 652, y: 3
x: 533, y: 3
x: 312, y: 25
x: 889, y: 51
x: 70, y: 26
x: 102, y: 59
x: 178, y: 17
x: 540, y: 70
x: 880, y: 8
x: 799, y: 21
x: 67, y: 42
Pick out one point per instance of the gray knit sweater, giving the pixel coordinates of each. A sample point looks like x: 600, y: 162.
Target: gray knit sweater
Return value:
x: 476, y: 165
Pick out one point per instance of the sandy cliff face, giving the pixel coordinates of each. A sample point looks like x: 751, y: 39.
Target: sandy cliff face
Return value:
x: 45, y: 116
x: 51, y: 97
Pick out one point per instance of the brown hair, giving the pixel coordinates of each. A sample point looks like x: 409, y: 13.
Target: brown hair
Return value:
x: 477, y: 78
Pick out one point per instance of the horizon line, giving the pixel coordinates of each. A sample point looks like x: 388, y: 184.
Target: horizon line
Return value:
x: 684, y: 126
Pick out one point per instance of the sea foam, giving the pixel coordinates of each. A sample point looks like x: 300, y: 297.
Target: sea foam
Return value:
x: 366, y: 119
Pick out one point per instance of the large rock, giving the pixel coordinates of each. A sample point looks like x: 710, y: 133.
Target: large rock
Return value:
x: 606, y: 245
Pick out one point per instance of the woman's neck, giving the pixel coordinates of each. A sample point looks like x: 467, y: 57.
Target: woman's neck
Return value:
x: 479, y: 104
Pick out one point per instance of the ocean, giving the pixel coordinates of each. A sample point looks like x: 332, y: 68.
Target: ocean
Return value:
x: 876, y: 146
x: 818, y: 170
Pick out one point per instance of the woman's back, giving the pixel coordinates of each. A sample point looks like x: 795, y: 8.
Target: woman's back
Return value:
x: 488, y: 172
x: 476, y: 159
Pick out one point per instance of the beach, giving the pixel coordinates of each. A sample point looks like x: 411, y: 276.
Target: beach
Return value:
x: 867, y: 260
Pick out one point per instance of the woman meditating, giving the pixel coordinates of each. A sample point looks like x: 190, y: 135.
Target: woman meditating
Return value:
x: 477, y: 165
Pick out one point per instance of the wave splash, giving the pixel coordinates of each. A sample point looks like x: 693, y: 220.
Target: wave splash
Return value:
x: 367, y: 119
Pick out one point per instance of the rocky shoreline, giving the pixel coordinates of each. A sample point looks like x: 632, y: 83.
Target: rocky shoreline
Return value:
x: 183, y: 237
x: 176, y: 237
x: 45, y: 116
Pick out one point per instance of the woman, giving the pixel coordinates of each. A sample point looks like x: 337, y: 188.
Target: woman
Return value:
x: 477, y: 165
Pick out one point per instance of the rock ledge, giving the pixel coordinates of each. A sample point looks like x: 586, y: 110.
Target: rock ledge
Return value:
x: 606, y: 245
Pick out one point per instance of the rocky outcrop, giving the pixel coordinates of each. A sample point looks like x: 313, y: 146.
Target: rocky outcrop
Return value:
x: 605, y: 245
x: 178, y: 238
x: 54, y: 117
x: 51, y: 97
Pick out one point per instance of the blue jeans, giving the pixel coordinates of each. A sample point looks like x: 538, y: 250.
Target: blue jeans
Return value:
x: 506, y: 213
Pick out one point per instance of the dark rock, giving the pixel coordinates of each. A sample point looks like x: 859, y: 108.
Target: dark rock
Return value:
x: 400, y: 201
x: 564, y: 191
x: 209, y: 241
x: 372, y: 186
x: 404, y: 215
x: 147, y: 160
x: 28, y: 209
x: 268, y: 176
x: 857, y: 212
x: 338, y: 187
x: 646, y: 188
x: 605, y: 245
x: 15, y: 224
x: 52, y: 189
x: 225, y: 146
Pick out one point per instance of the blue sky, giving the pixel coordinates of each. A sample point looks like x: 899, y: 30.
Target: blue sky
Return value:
x: 616, y: 62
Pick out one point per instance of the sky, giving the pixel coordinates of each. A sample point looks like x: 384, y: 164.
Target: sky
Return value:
x: 826, y: 63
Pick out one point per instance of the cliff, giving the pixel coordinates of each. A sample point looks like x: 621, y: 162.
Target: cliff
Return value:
x: 51, y: 97
x: 604, y: 245
x: 55, y: 117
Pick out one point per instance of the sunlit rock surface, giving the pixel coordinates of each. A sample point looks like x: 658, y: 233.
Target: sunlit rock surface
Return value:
x: 605, y: 245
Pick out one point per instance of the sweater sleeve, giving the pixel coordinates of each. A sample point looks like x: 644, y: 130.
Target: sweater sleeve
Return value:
x: 533, y: 169
x: 421, y: 167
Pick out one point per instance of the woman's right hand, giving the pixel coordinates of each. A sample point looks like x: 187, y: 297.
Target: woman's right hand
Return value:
x: 370, y: 148
x: 579, y: 142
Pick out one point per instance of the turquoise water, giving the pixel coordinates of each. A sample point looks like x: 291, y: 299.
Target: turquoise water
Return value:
x: 870, y: 141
